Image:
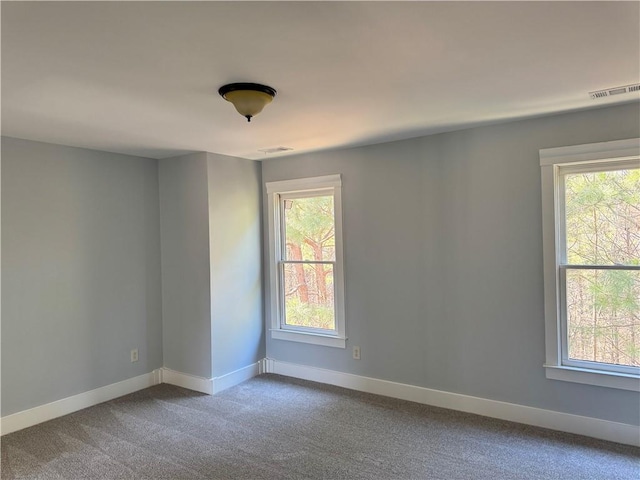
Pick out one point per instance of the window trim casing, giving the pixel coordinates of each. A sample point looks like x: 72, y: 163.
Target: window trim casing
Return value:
x: 274, y: 189
x: 553, y: 161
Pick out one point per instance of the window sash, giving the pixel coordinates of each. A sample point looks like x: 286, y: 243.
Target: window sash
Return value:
x: 282, y: 261
x: 281, y: 300
x: 561, y: 171
x: 564, y: 323
x: 281, y: 197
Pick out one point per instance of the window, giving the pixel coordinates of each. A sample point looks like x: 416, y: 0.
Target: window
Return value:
x: 305, y: 248
x: 591, y: 239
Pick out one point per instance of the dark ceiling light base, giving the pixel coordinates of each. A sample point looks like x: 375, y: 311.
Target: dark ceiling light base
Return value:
x: 248, y: 98
x: 232, y: 87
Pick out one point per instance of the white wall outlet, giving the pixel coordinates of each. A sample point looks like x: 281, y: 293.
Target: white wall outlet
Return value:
x: 356, y: 353
x: 134, y: 355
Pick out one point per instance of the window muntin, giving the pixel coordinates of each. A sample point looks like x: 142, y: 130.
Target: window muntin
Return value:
x: 306, y: 280
x: 599, y: 230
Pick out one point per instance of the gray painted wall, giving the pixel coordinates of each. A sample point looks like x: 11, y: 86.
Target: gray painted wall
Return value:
x: 443, y: 252
x: 104, y: 253
x: 186, y: 302
x: 80, y: 272
x: 237, y: 336
x: 211, y: 263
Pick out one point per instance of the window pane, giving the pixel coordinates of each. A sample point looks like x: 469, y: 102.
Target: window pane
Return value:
x: 603, y: 316
x: 603, y: 217
x: 309, y: 228
x: 308, y: 295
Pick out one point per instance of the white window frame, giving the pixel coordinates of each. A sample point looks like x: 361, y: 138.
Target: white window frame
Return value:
x: 298, y: 188
x: 554, y: 164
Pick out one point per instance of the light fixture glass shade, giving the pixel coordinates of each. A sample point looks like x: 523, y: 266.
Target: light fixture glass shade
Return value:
x: 248, y: 98
x: 248, y: 102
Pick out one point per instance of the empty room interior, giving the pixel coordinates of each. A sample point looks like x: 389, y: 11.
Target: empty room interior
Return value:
x: 339, y: 240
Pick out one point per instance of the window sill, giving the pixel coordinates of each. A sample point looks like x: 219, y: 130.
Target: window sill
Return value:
x: 313, y: 338
x: 593, y: 377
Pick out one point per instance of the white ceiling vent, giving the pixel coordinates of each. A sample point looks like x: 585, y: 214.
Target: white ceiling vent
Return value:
x: 610, y: 92
x: 268, y: 151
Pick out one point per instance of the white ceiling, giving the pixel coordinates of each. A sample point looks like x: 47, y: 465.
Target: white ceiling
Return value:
x: 142, y: 78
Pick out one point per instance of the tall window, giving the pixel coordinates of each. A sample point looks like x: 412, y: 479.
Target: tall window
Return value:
x: 306, y: 280
x: 601, y: 265
x: 592, y: 268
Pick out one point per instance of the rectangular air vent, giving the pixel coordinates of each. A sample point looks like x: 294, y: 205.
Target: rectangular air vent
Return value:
x: 275, y: 150
x: 609, y: 92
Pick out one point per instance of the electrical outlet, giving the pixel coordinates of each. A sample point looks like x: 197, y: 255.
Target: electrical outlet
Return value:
x: 356, y: 353
x: 134, y: 355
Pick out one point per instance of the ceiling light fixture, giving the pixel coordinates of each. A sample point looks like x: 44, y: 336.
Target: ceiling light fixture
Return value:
x: 248, y: 98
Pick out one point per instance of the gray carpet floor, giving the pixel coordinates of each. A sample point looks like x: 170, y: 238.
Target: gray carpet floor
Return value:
x: 273, y: 427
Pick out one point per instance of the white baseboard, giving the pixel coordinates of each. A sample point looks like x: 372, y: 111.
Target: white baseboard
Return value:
x: 65, y: 406
x: 213, y: 385
x: 591, y: 427
x: 238, y: 376
x: 184, y: 380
